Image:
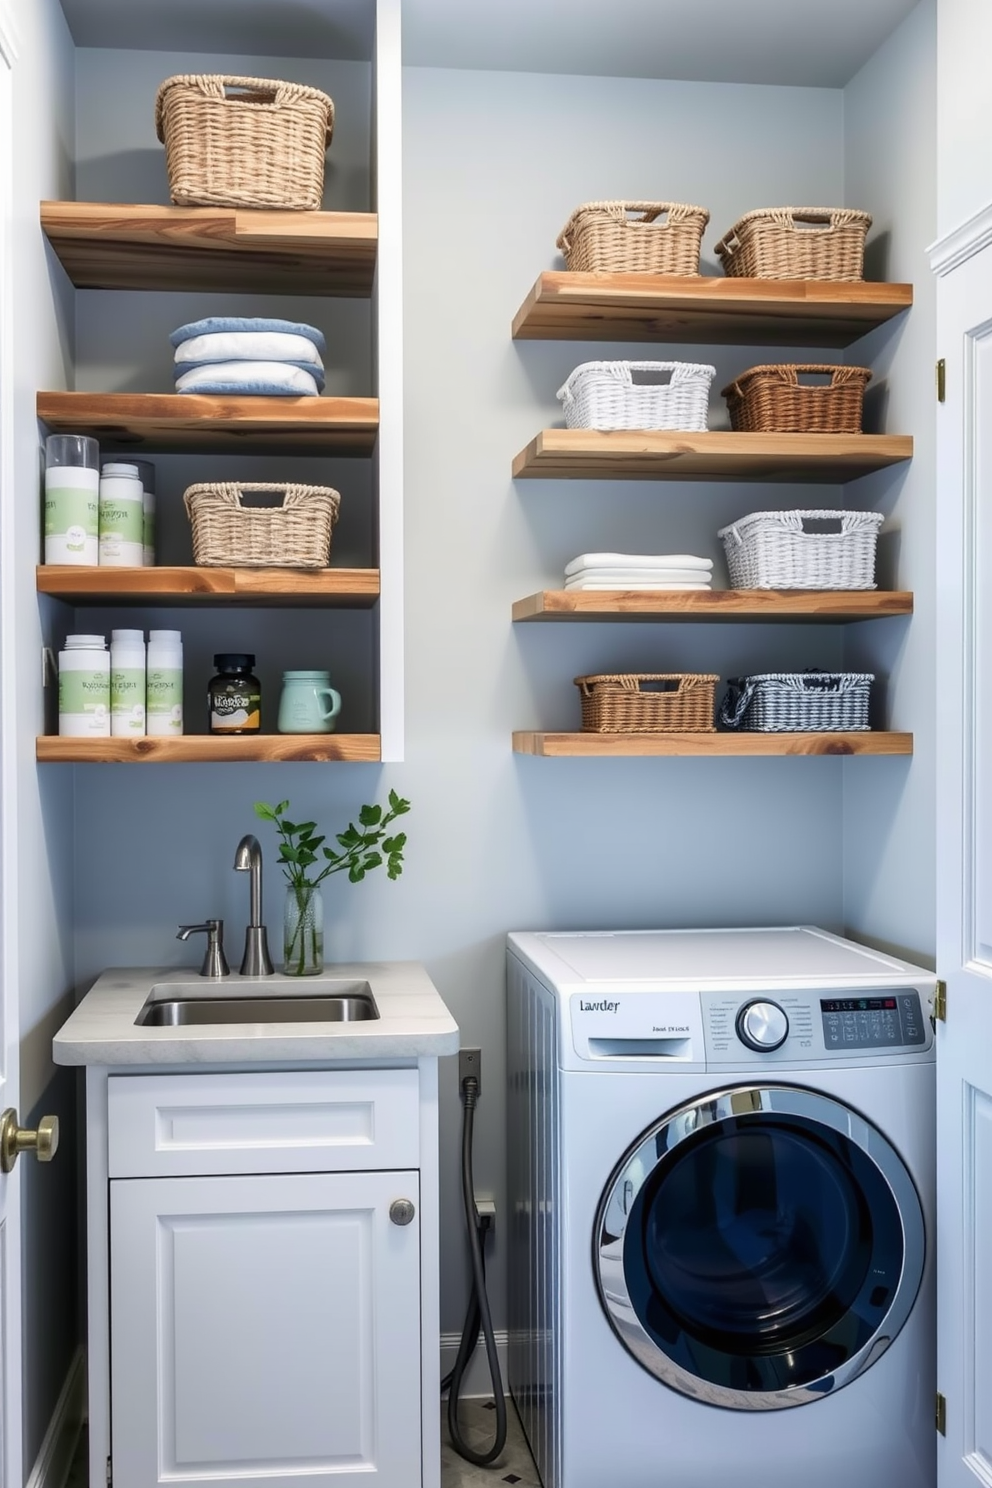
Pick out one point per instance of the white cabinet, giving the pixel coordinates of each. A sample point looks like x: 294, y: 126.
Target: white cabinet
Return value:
x: 265, y: 1326
x: 270, y: 1241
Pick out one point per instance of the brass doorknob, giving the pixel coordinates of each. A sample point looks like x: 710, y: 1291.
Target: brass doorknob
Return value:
x: 14, y: 1139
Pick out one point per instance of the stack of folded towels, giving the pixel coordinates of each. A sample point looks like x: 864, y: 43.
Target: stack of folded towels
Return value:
x: 638, y: 571
x: 232, y: 354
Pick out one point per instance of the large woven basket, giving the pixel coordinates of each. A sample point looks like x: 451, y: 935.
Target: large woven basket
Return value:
x: 796, y: 243
x: 228, y: 534
x: 798, y: 702
x: 648, y: 703
x: 774, y: 400
x: 243, y: 142
x: 607, y: 395
x: 627, y: 237
x: 778, y: 550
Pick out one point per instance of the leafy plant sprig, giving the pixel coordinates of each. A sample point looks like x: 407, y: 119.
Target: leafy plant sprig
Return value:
x: 363, y: 847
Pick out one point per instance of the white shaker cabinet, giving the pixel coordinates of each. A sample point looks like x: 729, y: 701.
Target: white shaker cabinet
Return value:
x: 265, y: 1326
x: 267, y: 1234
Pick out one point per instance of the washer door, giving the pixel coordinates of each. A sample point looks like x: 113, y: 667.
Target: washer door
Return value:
x: 759, y: 1247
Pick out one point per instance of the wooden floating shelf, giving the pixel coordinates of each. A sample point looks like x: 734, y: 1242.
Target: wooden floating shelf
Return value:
x: 198, y: 422
x: 352, y: 588
x: 212, y: 749
x: 657, y: 307
x: 717, y: 604
x: 715, y: 455
x: 111, y: 246
x: 626, y: 746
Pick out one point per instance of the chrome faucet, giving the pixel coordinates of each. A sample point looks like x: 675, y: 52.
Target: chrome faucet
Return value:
x: 256, y: 960
x: 214, y: 960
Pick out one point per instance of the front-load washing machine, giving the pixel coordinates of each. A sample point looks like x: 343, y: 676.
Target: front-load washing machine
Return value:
x: 721, y: 1210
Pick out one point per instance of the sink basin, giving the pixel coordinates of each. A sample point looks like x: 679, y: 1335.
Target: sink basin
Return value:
x: 177, y: 1004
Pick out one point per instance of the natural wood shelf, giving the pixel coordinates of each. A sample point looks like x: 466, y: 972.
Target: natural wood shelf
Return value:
x: 351, y: 588
x: 211, y: 748
x: 716, y: 455
x: 717, y: 604
x: 195, y: 422
x: 111, y: 246
x: 656, y: 307
x: 624, y: 746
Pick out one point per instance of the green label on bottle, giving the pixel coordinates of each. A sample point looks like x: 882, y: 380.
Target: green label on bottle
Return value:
x: 71, y: 510
x: 127, y: 697
x: 84, y: 692
x: 164, y: 692
x: 123, y: 520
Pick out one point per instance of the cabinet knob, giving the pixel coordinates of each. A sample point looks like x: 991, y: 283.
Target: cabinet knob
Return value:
x: 401, y: 1211
x: 16, y: 1139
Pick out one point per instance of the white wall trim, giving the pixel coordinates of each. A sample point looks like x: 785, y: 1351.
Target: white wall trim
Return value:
x: 476, y: 1383
x: 55, y: 1457
x: 962, y: 243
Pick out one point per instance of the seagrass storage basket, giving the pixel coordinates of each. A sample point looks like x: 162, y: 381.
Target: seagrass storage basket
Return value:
x: 798, y: 702
x: 774, y: 400
x: 637, y: 395
x: 780, y: 550
x: 648, y: 703
x: 628, y: 237
x: 229, y: 534
x: 243, y: 142
x: 796, y: 243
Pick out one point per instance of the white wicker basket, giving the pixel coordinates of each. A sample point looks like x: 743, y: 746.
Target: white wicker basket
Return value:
x: 605, y: 395
x: 798, y: 702
x: 774, y: 550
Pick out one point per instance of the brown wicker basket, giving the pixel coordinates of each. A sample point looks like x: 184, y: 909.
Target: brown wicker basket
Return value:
x: 796, y: 243
x: 228, y: 534
x: 604, y: 237
x: 648, y: 703
x: 772, y: 400
x: 261, y: 145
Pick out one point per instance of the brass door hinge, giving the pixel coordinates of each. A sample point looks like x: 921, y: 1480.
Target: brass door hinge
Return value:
x: 940, y: 1002
x: 941, y: 380
x: 941, y: 1414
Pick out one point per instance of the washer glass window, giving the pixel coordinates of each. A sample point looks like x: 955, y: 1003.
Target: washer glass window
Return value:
x: 760, y: 1247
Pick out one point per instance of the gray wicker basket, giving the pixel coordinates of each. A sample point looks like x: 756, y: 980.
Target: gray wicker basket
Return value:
x: 798, y: 702
x: 782, y: 550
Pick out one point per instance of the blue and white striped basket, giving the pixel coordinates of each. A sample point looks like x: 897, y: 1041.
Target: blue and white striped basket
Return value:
x: 798, y: 702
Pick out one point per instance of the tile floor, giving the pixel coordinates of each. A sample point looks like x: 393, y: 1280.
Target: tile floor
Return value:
x: 477, y: 1419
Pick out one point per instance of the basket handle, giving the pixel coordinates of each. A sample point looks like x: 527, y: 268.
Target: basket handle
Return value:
x: 736, y: 702
x: 679, y: 371
x: 838, y: 375
x: 290, y: 498
x: 246, y: 90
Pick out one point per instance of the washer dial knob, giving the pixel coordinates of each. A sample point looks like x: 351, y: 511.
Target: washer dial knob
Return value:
x: 763, y: 1026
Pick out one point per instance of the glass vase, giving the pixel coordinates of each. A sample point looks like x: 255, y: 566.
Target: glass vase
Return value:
x: 303, y: 932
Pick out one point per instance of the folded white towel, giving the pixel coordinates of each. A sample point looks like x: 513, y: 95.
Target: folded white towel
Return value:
x: 249, y: 346
x: 636, y: 560
x: 249, y: 377
x: 633, y: 575
x: 637, y: 584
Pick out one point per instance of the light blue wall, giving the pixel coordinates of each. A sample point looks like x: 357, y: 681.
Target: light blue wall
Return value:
x: 964, y: 120
x: 890, y: 167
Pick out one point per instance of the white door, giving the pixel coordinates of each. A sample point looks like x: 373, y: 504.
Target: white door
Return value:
x: 964, y: 864
x: 266, y: 1328
x: 12, y: 1469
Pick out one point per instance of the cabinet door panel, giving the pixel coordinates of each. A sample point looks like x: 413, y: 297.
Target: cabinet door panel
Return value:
x: 265, y: 1327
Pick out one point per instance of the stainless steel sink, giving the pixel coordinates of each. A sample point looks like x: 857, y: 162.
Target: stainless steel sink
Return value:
x: 175, y: 1005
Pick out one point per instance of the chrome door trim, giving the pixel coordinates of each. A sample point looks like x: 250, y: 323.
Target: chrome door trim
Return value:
x: 639, y: 1163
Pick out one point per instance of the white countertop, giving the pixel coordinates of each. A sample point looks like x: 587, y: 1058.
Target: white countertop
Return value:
x: 412, y: 1020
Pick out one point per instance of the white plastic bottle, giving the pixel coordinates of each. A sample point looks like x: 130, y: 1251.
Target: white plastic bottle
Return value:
x: 84, y: 688
x: 122, y: 517
x: 164, y: 687
x: 72, y: 485
x: 146, y: 470
x: 127, y: 684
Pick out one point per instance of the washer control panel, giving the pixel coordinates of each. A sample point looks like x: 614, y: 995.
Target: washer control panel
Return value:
x: 785, y: 1026
x: 888, y: 1021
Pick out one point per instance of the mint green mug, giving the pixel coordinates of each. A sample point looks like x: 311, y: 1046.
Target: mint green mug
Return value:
x: 302, y: 707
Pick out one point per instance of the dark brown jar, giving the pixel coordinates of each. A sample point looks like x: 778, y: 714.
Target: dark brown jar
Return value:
x: 234, y: 697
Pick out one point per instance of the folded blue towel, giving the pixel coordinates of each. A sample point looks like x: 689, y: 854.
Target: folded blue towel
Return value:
x: 217, y: 323
x: 259, y: 389
x: 315, y: 370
